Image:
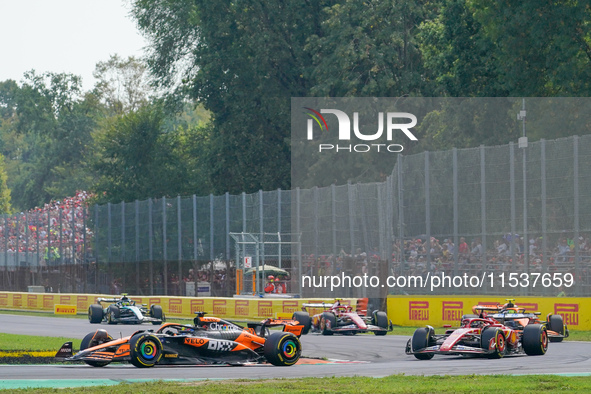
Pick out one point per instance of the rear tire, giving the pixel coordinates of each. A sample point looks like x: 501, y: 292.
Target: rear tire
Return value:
x: 145, y: 350
x: 304, y: 319
x: 327, y: 322
x: 420, y: 340
x: 556, y: 324
x: 157, y: 313
x: 495, y: 334
x: 95, y: 314
x: 380, y: 319
x: 93, y: 339
x: 282, y: 349
x: 535, y: 339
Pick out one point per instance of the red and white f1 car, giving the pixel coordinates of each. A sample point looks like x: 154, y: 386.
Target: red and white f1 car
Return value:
x: 341, y: 319
x: 481, y: 337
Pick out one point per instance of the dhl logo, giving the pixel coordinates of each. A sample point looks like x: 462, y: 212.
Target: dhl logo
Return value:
x: 3, y: 299
x: 17, y: 300
x: 452, y: 310
x: 569, y: 313
x: 418, y: 310
x: 65, y: 299
x: 241, y: 307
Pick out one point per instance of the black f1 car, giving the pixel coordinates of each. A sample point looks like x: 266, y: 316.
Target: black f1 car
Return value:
x: 479, y: 336
x: 209, y: 341
x: 124, y: 310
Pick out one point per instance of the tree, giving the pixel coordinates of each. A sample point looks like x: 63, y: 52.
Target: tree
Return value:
x: 123, y: 85
x: 243, y: 61
x: 5, y: 206
x: 134, y: 157
x: 45, y: 131
x: 368, y: 49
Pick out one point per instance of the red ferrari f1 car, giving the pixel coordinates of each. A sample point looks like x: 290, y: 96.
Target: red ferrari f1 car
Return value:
x: 517, y: 318
x: 209, y: 341
x: 341, y: 319
x: 481, y: 337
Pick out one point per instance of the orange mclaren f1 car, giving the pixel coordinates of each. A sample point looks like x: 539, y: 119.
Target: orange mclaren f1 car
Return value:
x: 209, y: 341
x: 517, y: 317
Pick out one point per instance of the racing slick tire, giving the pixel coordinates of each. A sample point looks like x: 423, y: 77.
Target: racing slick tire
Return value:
x: 496, y: 335
x: 145, y: 350
x: 95, y: 314
x: 380, y: 319
x: 113, y: 314
x: 556, y: 324
x: 420, y: 340
x: 535, y: 339
x: 304, y: 319
x: 157, y: 313
x: 93, y: 339
x: 327, y: 322
x: 282, y: 349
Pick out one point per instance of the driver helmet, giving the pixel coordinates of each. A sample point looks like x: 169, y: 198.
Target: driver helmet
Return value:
x: 271, y: 277
x: 125, y: 300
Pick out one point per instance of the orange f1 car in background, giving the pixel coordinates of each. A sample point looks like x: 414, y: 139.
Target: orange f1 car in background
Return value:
x: 516, y: 317
x: 209, y: 341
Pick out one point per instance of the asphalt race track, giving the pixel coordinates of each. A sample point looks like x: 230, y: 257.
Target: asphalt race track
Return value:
x: 361, y: 355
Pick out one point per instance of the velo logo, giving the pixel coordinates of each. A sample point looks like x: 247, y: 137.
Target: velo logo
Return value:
x: 392, y: 124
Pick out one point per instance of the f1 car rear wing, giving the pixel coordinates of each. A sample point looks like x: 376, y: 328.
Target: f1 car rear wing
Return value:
x: 288, y: 326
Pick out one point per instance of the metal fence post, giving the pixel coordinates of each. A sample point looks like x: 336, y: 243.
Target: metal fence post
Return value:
x: 576, y: 211
x: 151, y: 246
x: 428, y: 210
x: 544, y: 214
x: 455, y: 210
x: 483, y: 204
x: 164, y: 248
x: 513, y: 202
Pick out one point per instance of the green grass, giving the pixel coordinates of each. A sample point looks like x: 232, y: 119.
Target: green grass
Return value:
x: 357, y: 385
x: 28, y: 342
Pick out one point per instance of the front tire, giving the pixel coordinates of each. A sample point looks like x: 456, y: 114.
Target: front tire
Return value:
x: 304, y: 319
x: 535, y: 339
x: 145, y: 350
x: 556, y: 324
x: 420, y: 340
x: 282, y: 349
x: 95, y: 314
x: 380, y: 319
x: 496, y: 335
